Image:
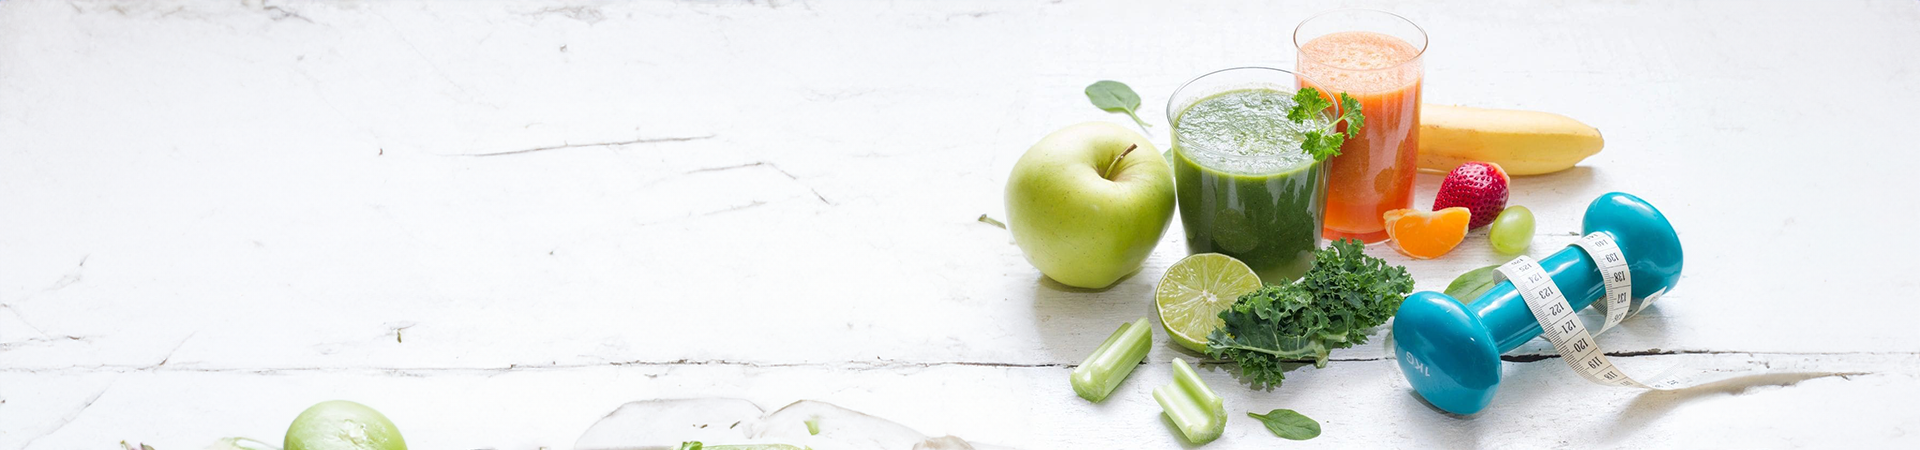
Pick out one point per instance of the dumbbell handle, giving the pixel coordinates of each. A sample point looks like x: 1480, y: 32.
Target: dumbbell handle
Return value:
x: 1505, y: 313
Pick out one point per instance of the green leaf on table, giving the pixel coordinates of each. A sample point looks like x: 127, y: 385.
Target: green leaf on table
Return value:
x: 1114, y: 96
x: 1471, y: 285
x: 1289, y: 425
x: 690, y: 445
x: 813, y: 426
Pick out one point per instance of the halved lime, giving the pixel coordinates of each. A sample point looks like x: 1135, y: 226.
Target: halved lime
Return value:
x: 1194, y: 291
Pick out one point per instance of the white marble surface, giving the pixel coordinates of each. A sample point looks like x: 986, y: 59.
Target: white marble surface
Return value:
x: 497, y: 221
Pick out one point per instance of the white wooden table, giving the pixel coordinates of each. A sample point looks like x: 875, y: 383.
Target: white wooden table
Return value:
x: 498, y: 221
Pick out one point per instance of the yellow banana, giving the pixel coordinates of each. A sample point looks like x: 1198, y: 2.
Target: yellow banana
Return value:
x: 1522, y: 142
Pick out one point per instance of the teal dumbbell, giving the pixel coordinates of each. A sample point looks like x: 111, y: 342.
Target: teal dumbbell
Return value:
x: 1450, y: 351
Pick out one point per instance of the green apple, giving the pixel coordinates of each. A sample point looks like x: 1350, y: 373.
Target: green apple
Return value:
x: 343, y: 425
x: 1083, y: 214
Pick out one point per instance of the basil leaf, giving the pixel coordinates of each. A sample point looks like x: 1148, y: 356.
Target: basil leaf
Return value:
x: 1289, y: 425
x: 1114, y: 96
x: 1471, y: 285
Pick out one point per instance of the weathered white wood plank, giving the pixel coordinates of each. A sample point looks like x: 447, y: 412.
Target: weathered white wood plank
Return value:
x: 1360, y: 404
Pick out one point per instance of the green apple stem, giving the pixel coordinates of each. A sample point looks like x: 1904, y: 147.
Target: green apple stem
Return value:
x: 1108, y: 174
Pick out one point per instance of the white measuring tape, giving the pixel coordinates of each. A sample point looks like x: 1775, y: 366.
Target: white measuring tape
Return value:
x: 1613, y: 275
x: 1562, y: 326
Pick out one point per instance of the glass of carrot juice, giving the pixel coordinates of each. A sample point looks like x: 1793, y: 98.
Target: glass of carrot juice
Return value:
x: 1375, y: 57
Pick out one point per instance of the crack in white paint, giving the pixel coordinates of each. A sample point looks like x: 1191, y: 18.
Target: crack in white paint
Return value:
x: 69, y: 417
x: 770, y: 165
x: 71, y: 277
x: 49, y: 340
x: 176, y: 348
x: 596, y: 144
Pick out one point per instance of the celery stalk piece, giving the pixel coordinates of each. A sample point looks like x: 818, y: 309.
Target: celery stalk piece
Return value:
x: 1113, y: 361
x: 1195, y: 410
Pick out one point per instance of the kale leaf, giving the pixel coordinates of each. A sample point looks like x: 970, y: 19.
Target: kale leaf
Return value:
x: 1334, y: 305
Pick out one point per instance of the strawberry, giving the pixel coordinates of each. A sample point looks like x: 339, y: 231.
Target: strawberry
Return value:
x: 1481, y: 187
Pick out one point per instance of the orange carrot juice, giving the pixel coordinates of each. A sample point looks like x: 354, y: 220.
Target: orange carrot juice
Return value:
x: 1374, y: 172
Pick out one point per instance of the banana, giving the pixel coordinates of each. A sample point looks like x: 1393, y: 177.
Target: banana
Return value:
x: 1521, y: 142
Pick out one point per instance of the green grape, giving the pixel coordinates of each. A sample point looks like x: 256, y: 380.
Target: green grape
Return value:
x: 1512, y: 231
x: 343, y: 425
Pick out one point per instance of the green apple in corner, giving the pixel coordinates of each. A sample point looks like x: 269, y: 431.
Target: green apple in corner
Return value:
x: 1088, y: 203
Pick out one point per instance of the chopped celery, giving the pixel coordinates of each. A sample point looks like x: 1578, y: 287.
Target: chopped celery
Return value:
x: 1195, y: 410
x: 1113, y: 361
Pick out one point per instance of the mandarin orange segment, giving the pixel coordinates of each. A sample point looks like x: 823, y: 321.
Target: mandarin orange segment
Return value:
x: 1427, y: 235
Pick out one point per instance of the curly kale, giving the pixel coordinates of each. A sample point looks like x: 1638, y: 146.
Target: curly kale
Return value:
x: 1334, y: 305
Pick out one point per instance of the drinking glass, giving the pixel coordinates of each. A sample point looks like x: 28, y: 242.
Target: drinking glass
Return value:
x: 1373, y: 56
x: 1245, y: 187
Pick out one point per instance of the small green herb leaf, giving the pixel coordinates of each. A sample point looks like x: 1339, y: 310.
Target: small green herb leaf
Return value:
x: 1289, y: 425
x: 1350, y: 112
x: 813, y: 426
x: 1325, y: 142
x: 1474, y: 283
x: 1322, y: 145
x: 1114, y: 96
x: 1307, y: 102
x: 690, y: 445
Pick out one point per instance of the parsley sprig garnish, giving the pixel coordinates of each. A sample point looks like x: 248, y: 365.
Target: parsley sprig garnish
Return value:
x: 1325, y: 142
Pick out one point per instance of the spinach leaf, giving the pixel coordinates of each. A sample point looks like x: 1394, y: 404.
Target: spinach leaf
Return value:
x: 1471, y: 285
x: 1114, y: 96
x: 1289, y: 425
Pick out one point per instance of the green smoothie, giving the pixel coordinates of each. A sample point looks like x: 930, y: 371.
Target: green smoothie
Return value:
x: 1245, y: 187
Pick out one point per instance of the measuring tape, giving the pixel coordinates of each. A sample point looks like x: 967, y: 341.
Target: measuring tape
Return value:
x: 1613, y: 275
x: 1563, y: 328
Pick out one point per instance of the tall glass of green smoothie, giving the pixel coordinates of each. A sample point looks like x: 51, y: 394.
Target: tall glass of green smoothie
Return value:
x: 1245, y: 187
